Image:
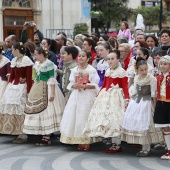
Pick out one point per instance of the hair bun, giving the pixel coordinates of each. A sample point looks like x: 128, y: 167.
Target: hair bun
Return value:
x: 139, y: 59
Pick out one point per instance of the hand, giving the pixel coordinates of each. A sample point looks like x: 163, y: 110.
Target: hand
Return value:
x: 78, y: 86
x: 126, y: 104
x: 34, y: 26
x: 25, y: 26
x: 51, y: 98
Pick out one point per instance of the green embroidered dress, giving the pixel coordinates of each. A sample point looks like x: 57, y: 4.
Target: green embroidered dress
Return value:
x: 42, y: 116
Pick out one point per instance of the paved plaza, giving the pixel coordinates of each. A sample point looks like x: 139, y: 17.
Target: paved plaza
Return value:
x: 57, y: 156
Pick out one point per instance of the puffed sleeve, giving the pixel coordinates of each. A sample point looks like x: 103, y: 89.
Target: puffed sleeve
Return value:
x: 153, y: 84
x: 29, y: 78
x: 94, y: 79
x: 52, y: 81
x: 124, y: 84
x: 71, y: 79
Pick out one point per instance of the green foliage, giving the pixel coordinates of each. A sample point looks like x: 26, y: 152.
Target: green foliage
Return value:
x: 80, y: 28
x: 113, y: 10
x: 151, y: 15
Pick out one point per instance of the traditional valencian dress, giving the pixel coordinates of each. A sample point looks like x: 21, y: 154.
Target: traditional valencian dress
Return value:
x: 102, y: 66
x: 138, y: 126
x: 12, y: 104
x: 78, y: 106
x: 106, y: 116
x: 4, y: 72
x: 42, y: 116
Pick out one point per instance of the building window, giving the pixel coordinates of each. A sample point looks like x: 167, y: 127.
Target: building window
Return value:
x: 14, y: 21
x: 17, y: 3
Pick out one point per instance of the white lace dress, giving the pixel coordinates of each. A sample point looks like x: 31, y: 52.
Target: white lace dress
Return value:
x: 78, y: 107
x: 138, y: 126
x: 106, y: 116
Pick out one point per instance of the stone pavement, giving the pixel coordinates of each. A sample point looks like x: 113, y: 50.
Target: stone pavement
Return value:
x: 57, y: 156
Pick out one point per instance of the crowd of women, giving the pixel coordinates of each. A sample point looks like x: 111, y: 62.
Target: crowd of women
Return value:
x: 96, y: 89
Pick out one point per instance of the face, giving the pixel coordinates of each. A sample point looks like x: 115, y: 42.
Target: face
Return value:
x: 139, y: 53
x: 68, y: 43
x: 138, y: 32
x: 82, y: 58
x: 123, y: 27
x: 36, y: 38
x: 45, y: 44
x: 140, y: 38
x: 165, y: 39
x: 8, y: 42
x: 137, y: 46
x: 123, y: 52
x: 59, y: 40
x: 101, y: 39
x: 150, y: 41
x: 86, y: 46
x: 143, y: 70
x: 65, y: 56
x: 164, y: 67
x: 102, y: 51
x: 112, y: 60
x: 156, y: 60
x: 37, y: 56
x: 15, y: 52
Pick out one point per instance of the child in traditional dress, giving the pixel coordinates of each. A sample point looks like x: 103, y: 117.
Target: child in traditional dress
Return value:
x: 46, y: 103
x: 144, y: 53
x: 102, y: 66
x: 138, y: 127
x: 84, y: 85
x: 4, y: 71
x: 68, y: 55
x: 106, y: 116
x: 162, y: 110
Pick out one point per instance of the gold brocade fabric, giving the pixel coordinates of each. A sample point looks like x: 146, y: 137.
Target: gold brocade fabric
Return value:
x: 37, y: 99
x: 11, y: 124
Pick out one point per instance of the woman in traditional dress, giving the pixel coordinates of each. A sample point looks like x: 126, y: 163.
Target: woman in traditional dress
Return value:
x: 106, y: 116
x: 46, y: 103
x: 4, y: 71
x: 84, y: 85
x: 12, y: 104
x: 138, y: 126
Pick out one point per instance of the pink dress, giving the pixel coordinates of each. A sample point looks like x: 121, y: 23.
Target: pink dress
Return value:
x: 125, y: 33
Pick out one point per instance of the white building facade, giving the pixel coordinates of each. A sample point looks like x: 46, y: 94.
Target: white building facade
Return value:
x: 49, y: 15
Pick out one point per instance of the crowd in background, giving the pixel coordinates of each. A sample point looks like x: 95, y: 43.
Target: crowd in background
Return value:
x: 91, y: 88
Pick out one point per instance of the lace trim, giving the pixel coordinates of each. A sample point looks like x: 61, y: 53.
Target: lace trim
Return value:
x: 44, y: 67
x: 145, y: 81
x: 116, y: 73
x: 4, y: 61
x: 102, y: 65
x: 26, y: 61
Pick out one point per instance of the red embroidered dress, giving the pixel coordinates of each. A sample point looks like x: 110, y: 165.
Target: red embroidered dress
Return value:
x: 106, y: 116
x: 13, y: 101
